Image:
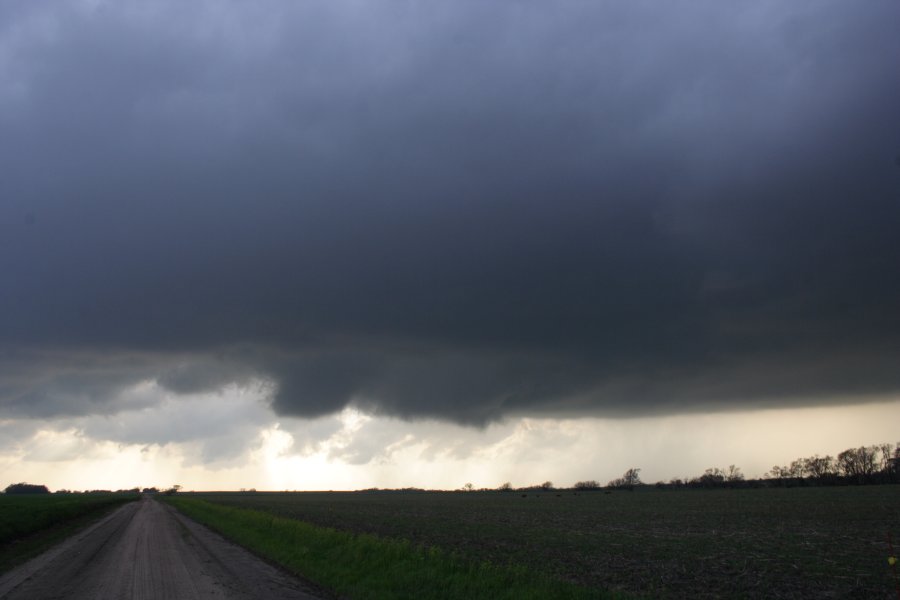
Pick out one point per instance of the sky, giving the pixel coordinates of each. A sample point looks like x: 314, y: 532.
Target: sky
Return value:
x: 348, y: 244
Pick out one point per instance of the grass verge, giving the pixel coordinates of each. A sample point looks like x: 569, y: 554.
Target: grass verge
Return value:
x: 362, y: 566
x: 31, y: 524
x: 774, y: 543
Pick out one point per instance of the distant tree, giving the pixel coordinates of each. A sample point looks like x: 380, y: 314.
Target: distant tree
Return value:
x: 714, y: 477
x: 26, y: 488
x: 174, y: 489
x: 505, y: 487
x: 895, y: 463
x: 590, y: 484
x: 632, y: 477
x: 858, y: 463
x: 887, y: 455
x: 547, y: 485
x: 782, y: 474
x: 468, y: 487
x: 819, y: 467
x: 734, y: 474
x: 627, y: 481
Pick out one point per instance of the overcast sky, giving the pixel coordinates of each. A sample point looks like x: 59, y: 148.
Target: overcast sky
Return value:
x: 233, y: 235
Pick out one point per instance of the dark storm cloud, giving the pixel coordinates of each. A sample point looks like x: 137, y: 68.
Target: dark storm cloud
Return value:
x: 453, y: 210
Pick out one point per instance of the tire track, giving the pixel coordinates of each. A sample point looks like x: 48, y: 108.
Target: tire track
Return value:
x: 145, y: 551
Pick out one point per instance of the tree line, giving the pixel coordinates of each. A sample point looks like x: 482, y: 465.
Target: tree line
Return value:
x: 866, y: 465
x: 31, y: 488
x: 879, y: 463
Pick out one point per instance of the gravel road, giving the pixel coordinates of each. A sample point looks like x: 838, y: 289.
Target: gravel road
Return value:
x: 146, y: 550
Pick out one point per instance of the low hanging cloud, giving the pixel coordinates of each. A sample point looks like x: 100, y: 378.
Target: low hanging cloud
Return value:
x: 217, y: 430
x: 454, y: 211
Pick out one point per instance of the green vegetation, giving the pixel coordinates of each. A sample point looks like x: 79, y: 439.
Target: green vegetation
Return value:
x: 30, y: 523
x: 368, y: 566
x: 776, y: 542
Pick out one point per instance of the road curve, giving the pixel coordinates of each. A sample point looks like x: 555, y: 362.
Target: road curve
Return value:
x: 146, y: 550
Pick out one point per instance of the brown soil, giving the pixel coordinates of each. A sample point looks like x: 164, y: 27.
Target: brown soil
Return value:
x: 145, y: 551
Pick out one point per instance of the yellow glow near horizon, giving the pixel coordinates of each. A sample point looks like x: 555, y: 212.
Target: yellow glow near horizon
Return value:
x: 433, y: 455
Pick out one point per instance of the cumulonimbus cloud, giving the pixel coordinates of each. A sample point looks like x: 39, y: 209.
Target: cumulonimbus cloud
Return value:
x: 453, y: 211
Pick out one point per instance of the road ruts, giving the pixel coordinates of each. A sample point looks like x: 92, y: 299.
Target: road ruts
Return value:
x: 147, y: 551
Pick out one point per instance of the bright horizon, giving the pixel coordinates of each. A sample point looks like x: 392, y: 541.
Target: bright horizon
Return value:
x: 432, y: 455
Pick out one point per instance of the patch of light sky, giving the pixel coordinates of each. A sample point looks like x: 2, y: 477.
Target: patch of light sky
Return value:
x: 248, y: 446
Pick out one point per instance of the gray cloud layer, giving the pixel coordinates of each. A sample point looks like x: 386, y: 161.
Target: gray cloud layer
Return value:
x: 454, y: 210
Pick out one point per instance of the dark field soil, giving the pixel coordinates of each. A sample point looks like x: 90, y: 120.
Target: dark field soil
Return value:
x: 772, y: 543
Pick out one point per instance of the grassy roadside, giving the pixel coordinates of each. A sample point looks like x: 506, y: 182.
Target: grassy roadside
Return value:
x: 361, y: 566
x: 31, y: 524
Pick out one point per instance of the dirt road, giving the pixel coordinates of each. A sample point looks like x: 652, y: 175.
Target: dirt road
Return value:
x: 146, y: 550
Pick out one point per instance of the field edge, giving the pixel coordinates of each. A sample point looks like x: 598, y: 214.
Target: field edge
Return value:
x: 362, y: 566
x: 20, y: 551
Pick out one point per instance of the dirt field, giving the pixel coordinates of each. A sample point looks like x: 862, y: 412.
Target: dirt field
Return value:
x: 762, y: 543
x: 147, y: 551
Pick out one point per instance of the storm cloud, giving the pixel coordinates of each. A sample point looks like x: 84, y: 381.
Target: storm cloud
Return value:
x: 451, y: 210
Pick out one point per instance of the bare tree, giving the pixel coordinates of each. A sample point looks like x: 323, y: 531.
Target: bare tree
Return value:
x: 860, y: 463
x: 630, y: 479
x: 887, y: 454
x: 819, y: 467
x: 779, y: 472
x: 734, y: 474
x: 712, y: 477
x: 895, y: 462
x: 590, y: 484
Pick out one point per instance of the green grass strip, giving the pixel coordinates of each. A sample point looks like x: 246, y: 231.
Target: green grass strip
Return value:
x: 362, y: 566
x: 31, y: 524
